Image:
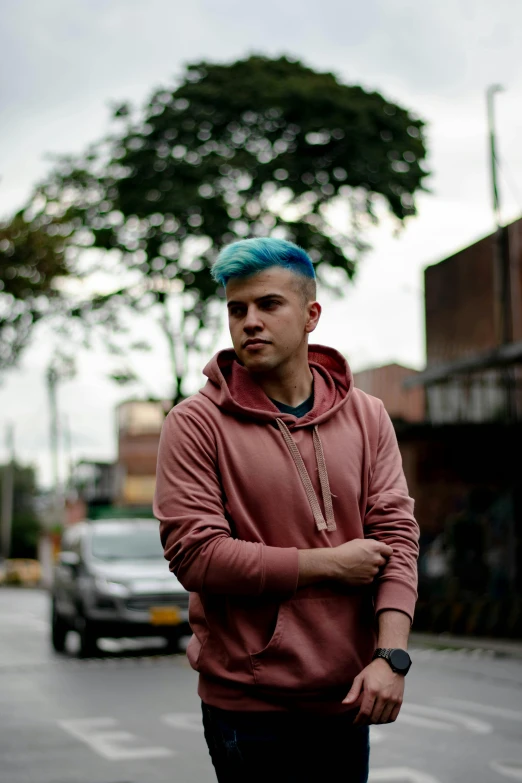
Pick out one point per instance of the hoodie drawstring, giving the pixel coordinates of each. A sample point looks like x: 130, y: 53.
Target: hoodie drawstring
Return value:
x: 320, y: 522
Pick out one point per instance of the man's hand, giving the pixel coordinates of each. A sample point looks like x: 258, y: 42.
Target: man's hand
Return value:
x: 357, y: 562
x: 379, y: 692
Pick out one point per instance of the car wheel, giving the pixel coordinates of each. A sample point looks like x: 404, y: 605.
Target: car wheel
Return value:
x: 173, y: 645
x: 88, y: 647
x: 59, y: 629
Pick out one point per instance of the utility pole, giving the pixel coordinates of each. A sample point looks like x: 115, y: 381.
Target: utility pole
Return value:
x: 67, y: 445
x: 52, y: 382
x: 490, y: 96
x: 60, y: 369
x: 7, y: 494
x: 501, y: 261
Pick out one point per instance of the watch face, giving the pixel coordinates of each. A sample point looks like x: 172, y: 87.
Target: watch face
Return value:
x: 400, y: 660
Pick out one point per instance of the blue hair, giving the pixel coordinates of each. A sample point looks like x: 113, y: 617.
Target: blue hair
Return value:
x: 248, y: 256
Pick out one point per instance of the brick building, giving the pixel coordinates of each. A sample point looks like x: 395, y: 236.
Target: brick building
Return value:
x: 387, y: 383
x: 139, y: 425
x: 474, y: 333
x: 462, y: 457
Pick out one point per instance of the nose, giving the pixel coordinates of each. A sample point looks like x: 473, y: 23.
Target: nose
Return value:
x: 252, y: 322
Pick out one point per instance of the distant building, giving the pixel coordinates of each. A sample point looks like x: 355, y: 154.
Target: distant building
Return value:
x: 92, y: 488
x: 387, y: 383
x: 464, y: 464
x: 474, y: 333
x: 460, y: 439
x: 124, y: 487
x: 139, y: 425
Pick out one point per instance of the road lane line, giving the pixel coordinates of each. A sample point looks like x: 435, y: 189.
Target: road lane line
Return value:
x: 466, y: 721
x: 424, y: 723
x: 510, y: 768
x: 100, y: 735
x: 401, y: 775
x: 376, y: 735
x: 485, y: 709
x: 188, y: 721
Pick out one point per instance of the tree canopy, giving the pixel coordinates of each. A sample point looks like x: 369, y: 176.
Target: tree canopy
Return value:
x: 254, y: 148
x: 32, y: 256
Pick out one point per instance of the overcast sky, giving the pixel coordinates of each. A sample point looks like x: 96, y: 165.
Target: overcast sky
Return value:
x: 63, y: 63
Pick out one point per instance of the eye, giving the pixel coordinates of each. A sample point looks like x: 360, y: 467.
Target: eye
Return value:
x: 270, y: 304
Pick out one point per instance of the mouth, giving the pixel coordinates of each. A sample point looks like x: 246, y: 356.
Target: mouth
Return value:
x: 255, y: 343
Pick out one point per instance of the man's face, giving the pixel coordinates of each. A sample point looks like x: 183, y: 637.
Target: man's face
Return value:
x: 268, y: 318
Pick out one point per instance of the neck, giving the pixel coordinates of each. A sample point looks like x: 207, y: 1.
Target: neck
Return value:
x: 290, y: 384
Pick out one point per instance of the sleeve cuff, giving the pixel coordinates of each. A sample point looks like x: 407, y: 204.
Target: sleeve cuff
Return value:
x: 396, y: 596
x: 281, y: 570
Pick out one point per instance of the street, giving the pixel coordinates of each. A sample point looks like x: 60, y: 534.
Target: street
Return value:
x: 133, y: 715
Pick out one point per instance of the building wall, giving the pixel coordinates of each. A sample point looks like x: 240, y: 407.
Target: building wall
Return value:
x: 467, y: 475
x: 460, y: 300
x: 386, y: 383
x: 139, y: 425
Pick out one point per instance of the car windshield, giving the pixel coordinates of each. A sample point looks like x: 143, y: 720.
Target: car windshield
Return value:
x: 143, y: 543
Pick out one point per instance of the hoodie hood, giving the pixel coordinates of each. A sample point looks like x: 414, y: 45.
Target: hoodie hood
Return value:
x: 231, y: 387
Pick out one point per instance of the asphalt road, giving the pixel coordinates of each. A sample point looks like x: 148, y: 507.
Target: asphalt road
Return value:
x: 133, y: 716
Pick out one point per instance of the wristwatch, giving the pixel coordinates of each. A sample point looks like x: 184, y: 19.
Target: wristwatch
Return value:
x: 399, y: 660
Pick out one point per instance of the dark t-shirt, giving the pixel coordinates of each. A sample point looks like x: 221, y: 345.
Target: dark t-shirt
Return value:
x: 299, y: 411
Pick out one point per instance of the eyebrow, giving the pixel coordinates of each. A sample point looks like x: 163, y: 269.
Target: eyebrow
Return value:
x: 233, y: 303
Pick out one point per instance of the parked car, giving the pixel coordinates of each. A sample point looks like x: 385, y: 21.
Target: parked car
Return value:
x: 111, y: 580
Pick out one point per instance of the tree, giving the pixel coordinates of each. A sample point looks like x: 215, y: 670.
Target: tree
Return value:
x: 32, y: 256
x: 254, y: 148
x: 25, y: 529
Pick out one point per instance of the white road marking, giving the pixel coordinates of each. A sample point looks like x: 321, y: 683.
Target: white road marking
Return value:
x: 466, y: 721
x: 401, y: 775
x: 510, y: 768
x: 376, y: 735
x: 485, y: 709
x: 423, y: 723
x: 100, y: 735
x: 189, y: 721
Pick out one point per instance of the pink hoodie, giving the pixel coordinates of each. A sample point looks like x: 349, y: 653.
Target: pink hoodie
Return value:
x: 240, y: 488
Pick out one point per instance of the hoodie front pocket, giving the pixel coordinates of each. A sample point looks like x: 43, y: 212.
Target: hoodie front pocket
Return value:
x: 318, y: 643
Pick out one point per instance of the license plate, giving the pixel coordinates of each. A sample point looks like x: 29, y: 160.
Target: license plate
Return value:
x: 165, y: 615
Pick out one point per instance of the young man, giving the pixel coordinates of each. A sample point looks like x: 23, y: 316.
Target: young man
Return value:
x: 283, y: 508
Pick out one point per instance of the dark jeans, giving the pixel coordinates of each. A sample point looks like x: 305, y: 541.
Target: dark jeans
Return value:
x: 281, y: 747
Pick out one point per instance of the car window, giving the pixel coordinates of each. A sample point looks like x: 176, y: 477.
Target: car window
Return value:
x: 126, y: 544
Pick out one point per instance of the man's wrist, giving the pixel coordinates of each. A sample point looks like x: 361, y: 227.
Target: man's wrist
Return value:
x: 396, y: 658
x: 394, y: 629
x: 315, y: 565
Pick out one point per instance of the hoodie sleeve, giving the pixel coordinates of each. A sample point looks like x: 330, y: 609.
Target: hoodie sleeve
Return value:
x: 389, y: 518
x: 195, y: 533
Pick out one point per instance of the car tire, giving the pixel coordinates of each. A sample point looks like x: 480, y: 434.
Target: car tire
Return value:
x: 88, y: 647
x: 173, y: 645
x: 59, y: 630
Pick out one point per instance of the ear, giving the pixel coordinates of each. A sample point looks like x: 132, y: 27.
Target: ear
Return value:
x: 314, y: 310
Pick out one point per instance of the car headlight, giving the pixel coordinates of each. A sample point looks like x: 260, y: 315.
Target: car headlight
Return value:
x: 110, y: 587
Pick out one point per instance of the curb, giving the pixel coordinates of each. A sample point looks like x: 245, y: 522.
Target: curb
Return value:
x: 500, y: 647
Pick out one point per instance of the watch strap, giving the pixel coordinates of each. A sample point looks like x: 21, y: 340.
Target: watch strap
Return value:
x: 386, y: 654
x: 382, y: 652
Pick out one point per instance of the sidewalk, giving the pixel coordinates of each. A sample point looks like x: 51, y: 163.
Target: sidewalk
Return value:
x: 511, y: 648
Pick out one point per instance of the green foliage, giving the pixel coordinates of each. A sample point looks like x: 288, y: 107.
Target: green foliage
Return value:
x: 26, y: 526
x: 32, y: 256
x: 254, y: 148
